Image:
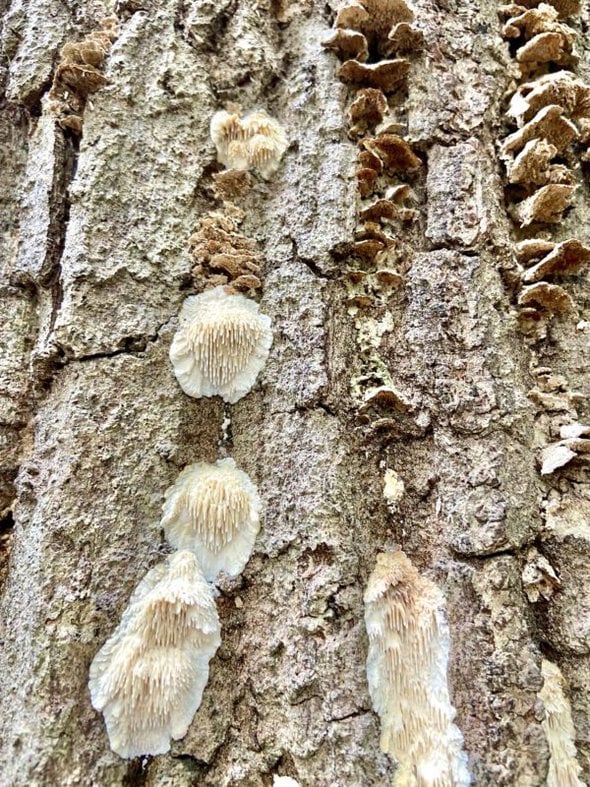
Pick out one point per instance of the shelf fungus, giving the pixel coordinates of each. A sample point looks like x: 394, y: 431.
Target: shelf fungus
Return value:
x: 213, y: 510
x: 551, y: 259
x: 78, y: 74
x: 254, y: 141
x: 386, y: 75
x: 542, y: 38
x: 148, y: 678
x: 546, y: 205
x: 407, y: 674
x: 221, y: 345
x: 558, y: 89
x: 558, y: 726
x: 561, y: 453
x: 223, y: 255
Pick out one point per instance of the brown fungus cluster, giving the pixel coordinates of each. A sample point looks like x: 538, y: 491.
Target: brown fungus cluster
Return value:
x: 78, y: 74
x: 222, y: 254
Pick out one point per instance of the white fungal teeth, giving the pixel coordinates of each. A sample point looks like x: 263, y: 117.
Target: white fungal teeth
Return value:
x: 255, y: 141
x: 213, y: 510
x: 406, y: 671
x: 148, y: 678
x: 221, y: 345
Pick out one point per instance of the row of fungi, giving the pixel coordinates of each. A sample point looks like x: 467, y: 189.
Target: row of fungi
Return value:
x: 387, y: 167
x: 404, y: 612
x: 544, y: 159
x: 148, y: 678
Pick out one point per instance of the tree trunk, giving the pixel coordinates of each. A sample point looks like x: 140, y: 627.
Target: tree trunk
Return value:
x: 96, y: 263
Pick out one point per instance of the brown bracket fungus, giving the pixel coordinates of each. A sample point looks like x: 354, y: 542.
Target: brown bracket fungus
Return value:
x: 407, y: 675
x: 560, y: 88
x: 552, y: 259
x: 221, y: 345
x: 77, y: 74
x: 254, y: 141
x: 546, y: 205
x: 148, y: 678
x: 213, y: 510
x: 386, y: 75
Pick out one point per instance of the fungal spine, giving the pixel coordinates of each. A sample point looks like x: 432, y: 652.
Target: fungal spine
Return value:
x: 407, y: 675
x: 213, y: 510
x: 221, y: 345
x: 148, y: 678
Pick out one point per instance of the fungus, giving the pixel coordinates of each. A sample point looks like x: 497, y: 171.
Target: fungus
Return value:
x: 560, y: 88
x: 558, y: 726
x: 348, y: 44
x: 546, y: 39
x: 390, y: 207
x: 386, y: 75
x: 550, y: 297
x: 77, y: 74
x: 566, y: 257
x: 533, y: 248
x: 539, y: 579
x: 407, y: 674
x: 221, y: 345
x: 561, y: 453
x: 548, y: 124
x: 367, y: 110
x: 148, y: 678
x: 213, y: 510
x: 563, y: 7
x: 403, y: 39
x: 218, y: 246
x: 255, y: 141
x: 545, y: 205
x: 532, y: 164
x: 395, y: 153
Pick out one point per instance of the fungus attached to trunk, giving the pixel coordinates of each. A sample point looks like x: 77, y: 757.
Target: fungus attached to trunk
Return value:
x: 255, y: 141
x: 221, y: 345
x: 213, y: 510
x: 148, y: 678
x: 407, y: 674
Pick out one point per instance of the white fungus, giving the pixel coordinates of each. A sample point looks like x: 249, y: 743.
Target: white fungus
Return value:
x: 407, y: 675
x: 213, y: 510
x: 148, y: 678
x: 221, y: 345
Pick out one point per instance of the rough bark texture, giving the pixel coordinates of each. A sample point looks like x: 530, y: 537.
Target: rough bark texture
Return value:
x: 95, y: 263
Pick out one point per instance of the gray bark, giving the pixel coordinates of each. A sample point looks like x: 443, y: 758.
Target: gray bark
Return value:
x: 95, y: 262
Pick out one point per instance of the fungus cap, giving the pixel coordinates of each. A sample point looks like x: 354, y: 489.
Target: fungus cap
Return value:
x: 213, y: 510
x: 221, y: 345
x: 149, y: 676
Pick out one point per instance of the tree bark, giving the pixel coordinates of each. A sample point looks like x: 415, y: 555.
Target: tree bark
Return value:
x: 95, y: 260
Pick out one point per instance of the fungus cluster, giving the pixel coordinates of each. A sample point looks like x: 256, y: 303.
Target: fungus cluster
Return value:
x: 255, y: 141
x: 78, y: 74
x: 213, y: 511
x: 222, y: 254
x: 221, y: 344
x: 149, y: 677
x: 407, y: 674
x: 380, y: 31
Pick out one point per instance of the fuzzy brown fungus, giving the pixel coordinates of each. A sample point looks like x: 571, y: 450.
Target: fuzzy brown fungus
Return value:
x: 254, y: 141
x: 545, y: 206
x: 407, y: 675
x: 367, y: 110
x: 218, y: 247
x: 232, y: 183
x: 548, y: 124
x: 567, y: 257
x: 148, y: 678
x: 546, y: 39
x: 348, y: 44
x: 367, y: 250
x: 77, y: 75
x: 395, y: 153
x: 532, y: 164
x: 564, y: 7
x: 560, y: 88
x: 375, y: 19
x: 386, y: 75
x: 531, y: 250
x: 391, y: 206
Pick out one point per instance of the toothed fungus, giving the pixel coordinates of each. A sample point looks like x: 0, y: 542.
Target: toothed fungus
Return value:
x: 148, y: 678
x: 213, y: 510
x: 221, y: 345
x: 407, y: 674
x: 564, y: 769
x: 255, y: 141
